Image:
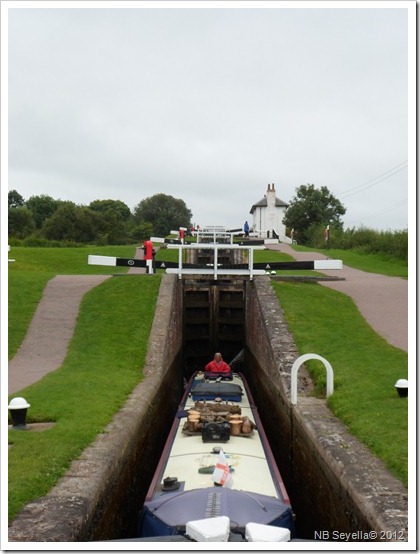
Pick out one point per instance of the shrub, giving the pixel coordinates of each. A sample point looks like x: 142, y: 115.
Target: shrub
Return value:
x: 392, y: 244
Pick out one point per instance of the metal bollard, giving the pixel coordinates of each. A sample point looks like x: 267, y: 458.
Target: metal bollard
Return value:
x: 18, y: 408
x: 402, y: 387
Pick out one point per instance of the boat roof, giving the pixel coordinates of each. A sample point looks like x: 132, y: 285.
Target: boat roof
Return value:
x: 250, y: 465
x: 175, y: 509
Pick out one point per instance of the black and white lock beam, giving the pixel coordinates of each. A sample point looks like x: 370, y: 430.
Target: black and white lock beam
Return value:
x: 258, y: 268
x: 113, y: 261
x: 313, y: 264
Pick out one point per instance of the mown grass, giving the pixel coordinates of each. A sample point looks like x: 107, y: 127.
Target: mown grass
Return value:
x: 103, y: 365
x: 372, y: 263
x: 67, y: 261
x: 366, y: 368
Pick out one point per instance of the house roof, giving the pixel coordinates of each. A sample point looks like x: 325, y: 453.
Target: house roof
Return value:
x: 263, y: 202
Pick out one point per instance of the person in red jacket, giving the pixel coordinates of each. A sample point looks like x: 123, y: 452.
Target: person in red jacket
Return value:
x: 218, y: 368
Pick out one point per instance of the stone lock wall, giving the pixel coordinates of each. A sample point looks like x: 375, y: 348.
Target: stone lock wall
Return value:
x: 335, y: 484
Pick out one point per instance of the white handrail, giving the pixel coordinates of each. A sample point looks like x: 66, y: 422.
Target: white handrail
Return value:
x: 215, y: 270
x: 295, y: 368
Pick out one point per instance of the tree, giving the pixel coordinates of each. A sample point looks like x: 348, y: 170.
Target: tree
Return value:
x: 311, y: 208
x: 15, y: 199
x: 71, y: 223
x: 110, y: 228
x: 113, y: 220
x: 164, y: 212
x: 142, y: 231
x: 21, y: 222
x: 42, y: 207
x: 121, y: 210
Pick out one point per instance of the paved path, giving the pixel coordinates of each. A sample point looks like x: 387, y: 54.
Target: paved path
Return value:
x: 382, y: 300
x: 45, y: 345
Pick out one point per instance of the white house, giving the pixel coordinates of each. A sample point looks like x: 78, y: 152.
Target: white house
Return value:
x: 268, y: 216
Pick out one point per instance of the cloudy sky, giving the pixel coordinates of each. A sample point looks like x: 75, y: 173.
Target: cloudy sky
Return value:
x: 211, y: 104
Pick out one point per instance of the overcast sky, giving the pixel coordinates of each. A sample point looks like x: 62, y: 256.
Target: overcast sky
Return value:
x: 211, y: 105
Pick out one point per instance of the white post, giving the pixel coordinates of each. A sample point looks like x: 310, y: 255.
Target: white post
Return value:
x: 251, y: 263
x: 179, y: 263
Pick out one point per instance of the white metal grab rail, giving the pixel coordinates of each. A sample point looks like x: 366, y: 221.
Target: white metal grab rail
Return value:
x: 295, y: 368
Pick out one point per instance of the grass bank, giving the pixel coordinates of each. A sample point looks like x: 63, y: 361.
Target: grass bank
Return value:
x: 103, y: 365
x: 372, y: 263
x: 365, y: 366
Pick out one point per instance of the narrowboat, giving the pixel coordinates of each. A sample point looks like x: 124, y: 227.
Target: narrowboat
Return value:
x: 217, y: 480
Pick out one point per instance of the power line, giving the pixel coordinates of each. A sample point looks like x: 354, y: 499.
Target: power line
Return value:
x: 375, y: 181
x: 386, y: 210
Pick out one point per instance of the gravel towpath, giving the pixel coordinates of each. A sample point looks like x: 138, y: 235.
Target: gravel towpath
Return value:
x: 45, y: 345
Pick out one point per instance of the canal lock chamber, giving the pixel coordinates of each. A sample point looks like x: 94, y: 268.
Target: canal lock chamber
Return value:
x: 213, y: 321
x: 101, y: 496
